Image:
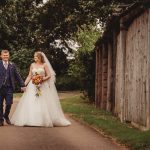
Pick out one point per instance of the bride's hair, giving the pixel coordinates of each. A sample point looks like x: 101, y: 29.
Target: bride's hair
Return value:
x: 40, y: 56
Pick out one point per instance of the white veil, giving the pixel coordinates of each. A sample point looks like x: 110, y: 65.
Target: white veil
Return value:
x: 52, y: 72
x: 54, y: 102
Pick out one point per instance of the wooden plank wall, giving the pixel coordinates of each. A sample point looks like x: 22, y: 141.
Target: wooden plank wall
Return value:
x: 114, y: 61
x: 110, y: 78
x: 123, y: 76
x: 96, y: 77
x: 104, y: 76
x: 118, y: 85
x: 136, y: 70
x: 148, y: 75
x: 101, y: 77
x: 98, y: 87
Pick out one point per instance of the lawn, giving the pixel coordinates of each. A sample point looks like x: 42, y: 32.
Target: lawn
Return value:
x: 17, y: 95
x: 105, y: 122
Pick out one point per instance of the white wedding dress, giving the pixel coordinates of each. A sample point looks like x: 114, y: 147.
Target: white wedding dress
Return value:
x: 44, y: 110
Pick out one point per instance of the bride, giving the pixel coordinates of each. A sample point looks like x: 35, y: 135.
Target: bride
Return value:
x: 40, y: 105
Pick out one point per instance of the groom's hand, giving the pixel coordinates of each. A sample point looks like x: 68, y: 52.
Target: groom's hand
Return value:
x: 23, y: 89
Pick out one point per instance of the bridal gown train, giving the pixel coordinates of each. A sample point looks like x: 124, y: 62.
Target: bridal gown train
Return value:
x: 44, y: 110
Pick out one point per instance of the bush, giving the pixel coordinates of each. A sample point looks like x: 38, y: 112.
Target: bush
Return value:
x: 67, y: 83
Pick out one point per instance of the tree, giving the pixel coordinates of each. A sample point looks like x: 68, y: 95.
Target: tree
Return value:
x: 21, y: 33
x: 30, y: 25
x: 83, y: 66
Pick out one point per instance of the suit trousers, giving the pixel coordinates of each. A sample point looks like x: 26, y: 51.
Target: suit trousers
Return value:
x: 6, y: 93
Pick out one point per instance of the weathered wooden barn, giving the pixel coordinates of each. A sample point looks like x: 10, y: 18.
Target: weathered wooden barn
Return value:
x: 122, y: 83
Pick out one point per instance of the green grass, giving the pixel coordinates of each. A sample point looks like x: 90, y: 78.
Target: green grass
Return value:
x: 16, y: 95
x: 106, y: 122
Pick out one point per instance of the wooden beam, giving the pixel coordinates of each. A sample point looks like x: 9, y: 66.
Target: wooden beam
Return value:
x: 96, y: 77
x: 100, y: 77
x: 109, y: 78
x: 122, y: 71
x: 104, y: 75
x: 114, y: 52
x: 148, y: 76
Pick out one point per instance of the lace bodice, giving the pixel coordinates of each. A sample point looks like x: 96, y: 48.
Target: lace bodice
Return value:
x: 40, y: 71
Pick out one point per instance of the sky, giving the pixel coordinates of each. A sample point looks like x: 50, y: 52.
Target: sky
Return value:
x: 44, y: 1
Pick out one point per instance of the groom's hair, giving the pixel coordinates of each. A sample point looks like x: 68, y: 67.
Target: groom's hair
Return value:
x: 4, y: 51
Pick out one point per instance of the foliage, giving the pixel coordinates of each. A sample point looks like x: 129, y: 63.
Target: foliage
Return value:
x: 21, y: 32
x: 23, y: 58
x: 67, y: 83
x: 83, y: 66
x: 29, y: 25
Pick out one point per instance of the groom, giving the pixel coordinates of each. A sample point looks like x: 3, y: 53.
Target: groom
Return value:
x: 8, y: 75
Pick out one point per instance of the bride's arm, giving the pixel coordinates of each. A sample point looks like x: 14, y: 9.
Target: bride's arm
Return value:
x: 29, y: 76
x: 48, y: 75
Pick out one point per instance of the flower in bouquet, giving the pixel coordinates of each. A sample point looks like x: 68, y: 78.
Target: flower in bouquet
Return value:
x: 37, y: 80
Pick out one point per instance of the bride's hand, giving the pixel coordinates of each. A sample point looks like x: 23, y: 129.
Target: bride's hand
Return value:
x: 44, y: 79
x: 25, y: 83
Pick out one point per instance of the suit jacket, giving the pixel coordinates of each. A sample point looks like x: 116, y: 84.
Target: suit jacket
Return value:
x: 14, y: 75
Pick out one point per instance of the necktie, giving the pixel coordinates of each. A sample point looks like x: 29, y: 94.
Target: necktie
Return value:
x: 6, y: 65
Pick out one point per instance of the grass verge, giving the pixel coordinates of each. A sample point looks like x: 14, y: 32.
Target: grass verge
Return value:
x: 106, y: 122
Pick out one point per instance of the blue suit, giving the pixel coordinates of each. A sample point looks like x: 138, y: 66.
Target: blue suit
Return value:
x: 7, y: 86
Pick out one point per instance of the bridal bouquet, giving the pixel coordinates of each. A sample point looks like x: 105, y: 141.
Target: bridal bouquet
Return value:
x: 37, y: 80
